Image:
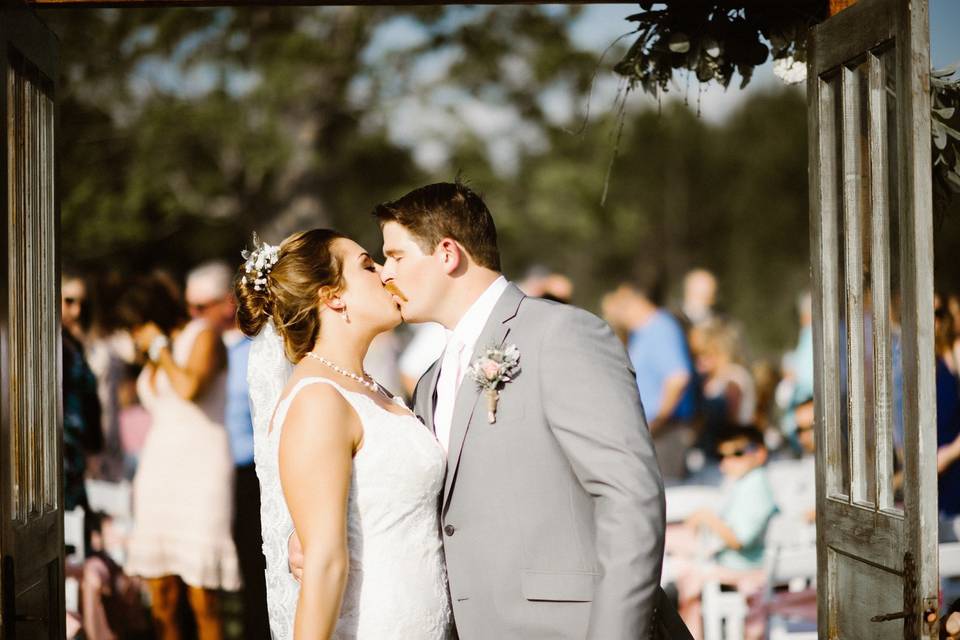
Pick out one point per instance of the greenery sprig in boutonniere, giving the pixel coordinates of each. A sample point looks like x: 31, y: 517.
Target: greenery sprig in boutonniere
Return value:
x: 492, y: 370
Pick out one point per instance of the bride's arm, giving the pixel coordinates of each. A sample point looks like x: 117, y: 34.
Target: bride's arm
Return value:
x: 319, y: 437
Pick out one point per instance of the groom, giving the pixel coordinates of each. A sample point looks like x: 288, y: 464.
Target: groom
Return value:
x: 553, y: 513
x: 552, y: 516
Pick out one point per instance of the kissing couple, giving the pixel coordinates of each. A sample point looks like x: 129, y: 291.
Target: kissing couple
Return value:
x: 521, y: 499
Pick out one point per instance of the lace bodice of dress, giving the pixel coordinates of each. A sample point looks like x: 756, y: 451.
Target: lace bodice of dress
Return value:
x: 396, y: 586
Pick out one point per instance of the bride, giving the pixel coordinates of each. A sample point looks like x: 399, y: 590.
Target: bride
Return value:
x: 339, y: 459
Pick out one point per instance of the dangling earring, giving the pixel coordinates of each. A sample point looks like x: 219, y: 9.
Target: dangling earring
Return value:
x: 346, y: 318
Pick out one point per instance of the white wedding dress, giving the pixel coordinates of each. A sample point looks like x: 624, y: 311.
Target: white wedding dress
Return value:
x: 396, y: 587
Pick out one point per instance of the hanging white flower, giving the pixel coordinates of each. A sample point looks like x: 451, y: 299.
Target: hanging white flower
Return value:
x: 789, y: 70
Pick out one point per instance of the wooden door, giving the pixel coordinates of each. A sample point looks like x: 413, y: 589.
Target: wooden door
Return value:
x: 31, y: 526
x: 872, y: 271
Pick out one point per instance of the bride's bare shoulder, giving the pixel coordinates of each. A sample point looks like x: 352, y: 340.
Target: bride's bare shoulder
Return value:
x: 320, y: 410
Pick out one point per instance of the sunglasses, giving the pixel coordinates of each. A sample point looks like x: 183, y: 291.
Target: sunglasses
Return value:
x: 74, y: 301
x: 738, y: 453
x: 804, y: 429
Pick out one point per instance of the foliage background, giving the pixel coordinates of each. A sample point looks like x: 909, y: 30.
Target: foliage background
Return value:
x: 184, y: 130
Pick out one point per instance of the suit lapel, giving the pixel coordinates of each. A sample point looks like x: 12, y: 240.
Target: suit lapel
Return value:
x: 494, y: 333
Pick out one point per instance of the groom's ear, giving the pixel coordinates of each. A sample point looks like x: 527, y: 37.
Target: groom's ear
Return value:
x: 450, y: 254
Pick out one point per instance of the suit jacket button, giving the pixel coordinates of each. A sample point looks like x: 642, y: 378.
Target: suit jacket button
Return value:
x: 449, y: 530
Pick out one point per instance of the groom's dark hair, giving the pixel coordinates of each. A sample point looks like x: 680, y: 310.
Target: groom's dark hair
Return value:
x: 446, y: 210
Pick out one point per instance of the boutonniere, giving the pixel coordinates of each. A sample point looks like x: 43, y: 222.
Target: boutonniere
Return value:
x: 492, y: 370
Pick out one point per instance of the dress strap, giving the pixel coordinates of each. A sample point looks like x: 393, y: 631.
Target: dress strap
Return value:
x: 280, y: 415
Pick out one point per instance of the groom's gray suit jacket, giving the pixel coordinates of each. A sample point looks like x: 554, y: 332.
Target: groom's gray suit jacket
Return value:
x: 553, y: 516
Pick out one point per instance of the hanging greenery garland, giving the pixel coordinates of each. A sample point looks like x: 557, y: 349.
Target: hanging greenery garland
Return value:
x: 713, y: 40
x: 945, y: 127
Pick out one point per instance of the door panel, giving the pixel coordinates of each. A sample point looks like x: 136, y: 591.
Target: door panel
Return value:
x: 868, y: 102
x: 31, y: 529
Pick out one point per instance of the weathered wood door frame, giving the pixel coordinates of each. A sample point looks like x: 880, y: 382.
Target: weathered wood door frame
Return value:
x: 862, y: 534
x: 31, y: 488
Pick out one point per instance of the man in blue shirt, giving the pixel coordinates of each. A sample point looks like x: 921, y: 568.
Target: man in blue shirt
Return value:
x: 658, y: 351
x: 209, y: 295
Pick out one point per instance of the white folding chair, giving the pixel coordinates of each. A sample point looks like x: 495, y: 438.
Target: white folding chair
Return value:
x: 796, y: 568
x: 112, y: 498
x: 116, y: 500
x: 683, y: 500
x: 724, y: 613
x: 790, y: 565
x: 73, y: 521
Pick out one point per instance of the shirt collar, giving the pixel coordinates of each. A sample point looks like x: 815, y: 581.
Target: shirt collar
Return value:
x: 471, y: 325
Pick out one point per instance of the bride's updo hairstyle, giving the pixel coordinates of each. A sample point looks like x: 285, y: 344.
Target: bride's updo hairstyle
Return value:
x: 289, y: 290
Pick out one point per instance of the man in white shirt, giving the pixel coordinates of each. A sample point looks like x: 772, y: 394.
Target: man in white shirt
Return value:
x: 552, y: 512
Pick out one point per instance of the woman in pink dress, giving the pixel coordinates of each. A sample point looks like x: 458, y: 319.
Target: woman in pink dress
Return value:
x: 183, y: 486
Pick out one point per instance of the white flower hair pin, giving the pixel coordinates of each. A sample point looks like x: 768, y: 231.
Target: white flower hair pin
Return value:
x: 260, y: 261
x: 492, y: 370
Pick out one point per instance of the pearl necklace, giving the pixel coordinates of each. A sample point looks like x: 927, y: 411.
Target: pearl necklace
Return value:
x: 365, y: 380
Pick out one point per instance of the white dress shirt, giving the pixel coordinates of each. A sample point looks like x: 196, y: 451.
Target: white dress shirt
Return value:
x: 456, y: 357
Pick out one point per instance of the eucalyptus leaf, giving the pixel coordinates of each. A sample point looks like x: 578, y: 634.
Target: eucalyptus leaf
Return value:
x: 946, y: 113
x: 939, y: 135
x: 954, y: 180
x: 712, y: 47
x: 679, y: 42
x: 953, y: 133
x: 945, y: 71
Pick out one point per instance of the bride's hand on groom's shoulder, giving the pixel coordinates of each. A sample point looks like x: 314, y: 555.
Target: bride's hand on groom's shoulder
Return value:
x: 295, y: 556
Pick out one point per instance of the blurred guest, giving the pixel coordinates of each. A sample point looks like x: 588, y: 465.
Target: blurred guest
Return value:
x: 558, y: 287
x: 82, y: 434
x: 210, y: 298
x: 133, y: 421
x: 106, y: 356
x: 800, y: 511
x: 532, y: 283
x: 612, y: 310
x: 765, y: 377
x: 728, y: 393
x: 796, y: 385
x: 109, y: 353
x: 540, y: 282
x: 953, y: 307
x: 427, y: 345
x: 948, y: 428
x: 183, y: 504
x: 111, y: 603
x: 658, y: 352
x: 699, y: 297
x: 735, y: 532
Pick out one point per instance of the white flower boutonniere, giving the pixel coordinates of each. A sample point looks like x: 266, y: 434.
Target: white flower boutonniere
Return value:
x: 492, y: 370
